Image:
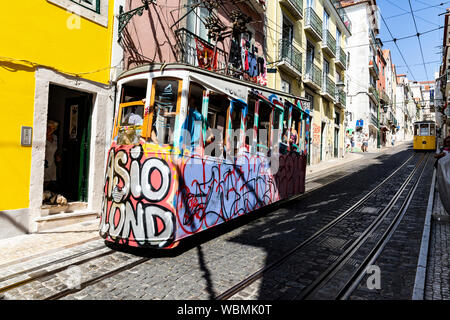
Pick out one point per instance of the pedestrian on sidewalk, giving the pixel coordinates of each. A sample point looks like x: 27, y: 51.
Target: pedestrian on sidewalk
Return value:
x: 442, y: 165
x: 365, y: 145
x: 347, y: 142
x: 352, y: 141
x: 393, y: 140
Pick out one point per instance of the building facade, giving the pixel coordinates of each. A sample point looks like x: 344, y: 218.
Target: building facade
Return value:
x: 363, y: 98
x: 57, y: 70
x: 306, y: 41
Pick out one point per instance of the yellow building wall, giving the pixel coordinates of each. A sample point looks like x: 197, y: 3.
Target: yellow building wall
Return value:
x: 35, y: 34
x: 275, y: 14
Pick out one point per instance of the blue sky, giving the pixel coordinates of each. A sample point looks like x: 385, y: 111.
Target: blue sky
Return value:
x: 397, y: 14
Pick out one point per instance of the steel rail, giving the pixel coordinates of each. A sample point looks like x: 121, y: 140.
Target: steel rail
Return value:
x: 97, y: 279
x: 359, y: 273
x: 325, y: 276
x: 258, y: 274
x: 45, y: 265
x: 48, y: 273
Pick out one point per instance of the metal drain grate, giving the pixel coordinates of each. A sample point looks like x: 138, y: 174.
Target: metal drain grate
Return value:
x: 333, y: 243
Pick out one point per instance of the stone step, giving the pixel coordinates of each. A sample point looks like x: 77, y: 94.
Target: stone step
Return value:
x: 68, y: 208
x: 62, y: 219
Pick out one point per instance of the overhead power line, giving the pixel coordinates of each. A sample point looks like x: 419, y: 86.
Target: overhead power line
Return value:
x: 418, y: 38
x: 395, y: 42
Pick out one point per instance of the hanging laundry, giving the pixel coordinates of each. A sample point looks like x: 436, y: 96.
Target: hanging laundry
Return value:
x: 205, y: 53
x: 252, y: 65
x: 235, y: 54
x: 244, y: 55
x: 262, y: 71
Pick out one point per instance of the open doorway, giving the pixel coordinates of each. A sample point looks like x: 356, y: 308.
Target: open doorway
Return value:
x: 66, y: 168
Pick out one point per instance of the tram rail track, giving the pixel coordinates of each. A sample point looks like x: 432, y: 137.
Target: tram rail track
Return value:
x: 260, y: 273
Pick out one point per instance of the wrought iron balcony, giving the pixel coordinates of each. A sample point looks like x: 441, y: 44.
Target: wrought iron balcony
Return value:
x: 341, y: 57
x: 187, y: 51
x: 328, y: 43
x: 341, y: 98
x: 373, y: 68
x: 290, y: 57
x: 374, y: 120
x: 385, y: 98
x: 313, y: 76
x: 313, y: 24
x: 295, y: 7
x: 259, y: 6
x: 374, y: 93
x: 328, y: 88
x: 372, y: 38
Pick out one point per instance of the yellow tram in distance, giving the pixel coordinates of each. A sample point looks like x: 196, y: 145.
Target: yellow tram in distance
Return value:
x: 424, y: 136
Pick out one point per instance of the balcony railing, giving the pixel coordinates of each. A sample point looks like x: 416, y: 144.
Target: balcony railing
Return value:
x: 341, y: 57
x: 343, y: 14
x: 372, y: 37
x: 187, y: 51
x: 374, y: 92
x: 329, y: 43
x: 295, y: 7
x: 313, y: 22
x: 374, y: 120
x: 313, y: 74
x: 329, y: 87
x: 374, y: 68
x: 341, y: 97
x: 291, y: 55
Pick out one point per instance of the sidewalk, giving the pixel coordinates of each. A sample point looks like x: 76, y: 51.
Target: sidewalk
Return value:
x: 314, y: 170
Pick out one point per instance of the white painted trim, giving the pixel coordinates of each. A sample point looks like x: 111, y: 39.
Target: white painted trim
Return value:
x: 102, y: 112
x: 99, y: 18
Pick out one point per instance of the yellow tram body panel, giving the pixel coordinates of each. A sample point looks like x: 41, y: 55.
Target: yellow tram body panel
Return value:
x: 424, y: 143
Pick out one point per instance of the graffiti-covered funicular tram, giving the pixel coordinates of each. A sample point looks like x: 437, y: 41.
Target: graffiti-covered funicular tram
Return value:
x: 192, y: 149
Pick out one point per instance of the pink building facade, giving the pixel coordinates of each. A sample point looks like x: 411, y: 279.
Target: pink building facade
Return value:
x: 215, y: 35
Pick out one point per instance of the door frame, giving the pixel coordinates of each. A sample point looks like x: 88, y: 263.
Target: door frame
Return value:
x: 102, y: 108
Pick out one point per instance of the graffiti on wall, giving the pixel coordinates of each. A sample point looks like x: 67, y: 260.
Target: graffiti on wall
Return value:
x: 316, y: 134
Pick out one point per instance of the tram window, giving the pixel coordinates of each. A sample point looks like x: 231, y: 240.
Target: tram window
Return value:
x: 285, y: 136
x: 217, y: 115
x: 235, y: 127
x: 249, y: 123
x: 132, y: 115
x: 263, y: 136
x: 164, y: 111
x: 276, y: 124
x: 130, y: 126
x: 134, y: 90
x: 432, y: 130
x: 424, y: 130
x: 416, y: 129
x: 294, y: 137
x: 192, y: 126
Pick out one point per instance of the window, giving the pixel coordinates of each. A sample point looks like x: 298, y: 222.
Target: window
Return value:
x: 194, y: 21
x: 424, y: 130
x: 93, y: 10
x: 295, y: 134
x: 235, y: 126
x: 263, y: 136
x: 432, y: 130
x: 134, y: 90
x: 276, y: 125
x: 166, y: 99
x: 94, y: 5
x: 192, y: 125
x: 217, y: 117
x: 249, y: 124
x: 131, y: 118
x: 285, y: 86
x: 311, y: 101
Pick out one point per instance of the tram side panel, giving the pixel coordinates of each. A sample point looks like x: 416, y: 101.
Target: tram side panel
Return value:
x: 153, y: 199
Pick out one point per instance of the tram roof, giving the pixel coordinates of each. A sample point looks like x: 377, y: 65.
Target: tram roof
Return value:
x: 424, y: 121
x: 156, y: 67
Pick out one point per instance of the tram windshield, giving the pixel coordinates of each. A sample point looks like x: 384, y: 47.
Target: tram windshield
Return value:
x: 264, y: 113
x: 424, y: 129
x: 130, y: 125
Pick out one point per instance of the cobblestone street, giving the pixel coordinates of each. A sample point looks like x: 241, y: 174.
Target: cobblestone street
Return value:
x: 206, y: 265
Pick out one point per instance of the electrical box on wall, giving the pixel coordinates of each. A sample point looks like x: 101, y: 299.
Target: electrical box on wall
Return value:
x: 26, y: 136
